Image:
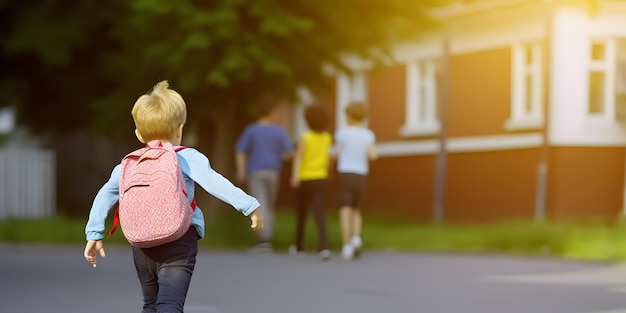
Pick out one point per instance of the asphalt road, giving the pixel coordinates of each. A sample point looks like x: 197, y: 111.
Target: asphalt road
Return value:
x: 58, y: 280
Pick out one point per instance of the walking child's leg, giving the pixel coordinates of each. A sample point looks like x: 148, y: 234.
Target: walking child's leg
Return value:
x: 177, y: 261
x: 356, y: 240
x: 357, y: 222
x: 344, y: 201
x: 174, y: 281
x: 272, y: 184
x: 318, y: 203
x: 347, y: 229
x: 259, y: 189
x: 301, y: 212
x: 346, y: 220
x: 146, y: 273
x: 357, y: 219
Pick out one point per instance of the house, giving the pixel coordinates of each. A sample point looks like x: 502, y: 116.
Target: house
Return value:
x: 515, y: 110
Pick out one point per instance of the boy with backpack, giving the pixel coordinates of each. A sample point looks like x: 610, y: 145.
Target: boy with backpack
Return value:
x: 154, y: 187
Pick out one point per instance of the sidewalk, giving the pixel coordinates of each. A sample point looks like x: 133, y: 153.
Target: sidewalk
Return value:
x: 58, y: 280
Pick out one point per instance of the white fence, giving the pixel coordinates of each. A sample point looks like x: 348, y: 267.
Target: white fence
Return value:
x: 27, y: 183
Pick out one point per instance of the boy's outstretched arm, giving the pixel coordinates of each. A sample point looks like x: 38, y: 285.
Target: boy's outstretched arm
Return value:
x: 257, y: 219
x: 296, y: 162
x: 92, y: 248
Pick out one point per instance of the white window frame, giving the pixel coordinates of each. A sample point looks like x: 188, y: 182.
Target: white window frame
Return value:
x: 305, y: 98
x: 606, y: 65
x: 524, y: 70
x: 421, y: 99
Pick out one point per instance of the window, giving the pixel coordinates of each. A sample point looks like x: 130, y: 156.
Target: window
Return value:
x: 421, y: 99
x: 606, y: 94
x: 599, y: 102
x: 526, y: 87
x: 620, y: 81
x: 305, y: 98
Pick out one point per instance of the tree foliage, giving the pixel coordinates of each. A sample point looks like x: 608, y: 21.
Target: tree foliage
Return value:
x: 81, y: 64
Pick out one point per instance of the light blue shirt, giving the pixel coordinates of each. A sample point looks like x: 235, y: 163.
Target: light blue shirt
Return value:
x: 352, y: 149
x: 196, y: 168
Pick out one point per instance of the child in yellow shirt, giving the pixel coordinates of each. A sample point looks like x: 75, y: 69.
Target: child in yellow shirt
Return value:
x: 309, y: 176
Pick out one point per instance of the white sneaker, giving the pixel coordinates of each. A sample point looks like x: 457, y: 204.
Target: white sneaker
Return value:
x: 357, y: 243
x: 293, y: 250
x: 347, y: 252
x: 325, y: 254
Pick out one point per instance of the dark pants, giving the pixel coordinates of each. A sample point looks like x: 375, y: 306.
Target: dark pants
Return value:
x: 165, y: 272
x: 311, y: 194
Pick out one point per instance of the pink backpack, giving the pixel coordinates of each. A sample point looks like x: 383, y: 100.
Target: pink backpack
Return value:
x: 153, y: 205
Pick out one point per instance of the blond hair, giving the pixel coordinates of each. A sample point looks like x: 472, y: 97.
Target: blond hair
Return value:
x: 158, y: 114
x: 357, y: 111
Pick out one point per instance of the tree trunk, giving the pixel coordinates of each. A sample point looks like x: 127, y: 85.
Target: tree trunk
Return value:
x: 216, y: 139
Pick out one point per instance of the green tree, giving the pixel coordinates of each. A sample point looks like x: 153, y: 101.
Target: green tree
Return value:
x: 81, y: 64
x: 50, y: 58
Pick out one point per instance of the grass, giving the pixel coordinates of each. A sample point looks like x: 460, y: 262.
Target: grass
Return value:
x: 581, y: 241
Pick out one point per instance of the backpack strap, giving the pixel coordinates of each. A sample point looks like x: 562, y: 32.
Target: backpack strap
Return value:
x: 116, y: 221
x: 116, y: 217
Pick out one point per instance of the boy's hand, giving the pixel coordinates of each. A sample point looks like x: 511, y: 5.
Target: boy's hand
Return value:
x: 295, y: 182
x: 92, y: 248
x: 257, y: 220
x: 241, y: 177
